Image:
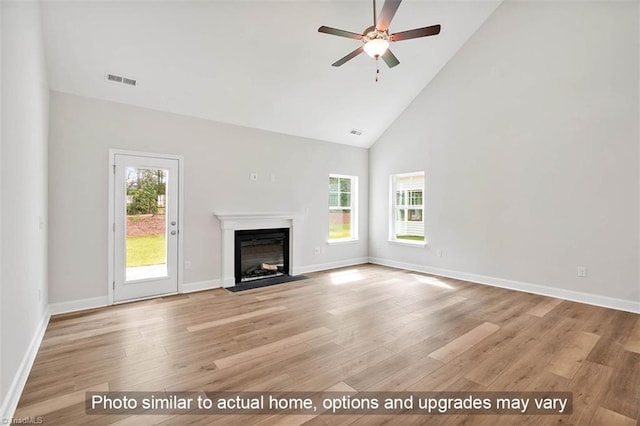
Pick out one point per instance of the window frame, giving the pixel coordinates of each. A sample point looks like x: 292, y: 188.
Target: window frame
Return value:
x: 353, y: 208
x: 409, y: 197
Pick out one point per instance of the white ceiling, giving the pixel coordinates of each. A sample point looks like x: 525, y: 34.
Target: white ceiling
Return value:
x: 259, y: 64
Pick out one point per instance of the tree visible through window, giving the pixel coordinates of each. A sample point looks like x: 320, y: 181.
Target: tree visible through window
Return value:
x: 408, y: 204
x: 342, y: 207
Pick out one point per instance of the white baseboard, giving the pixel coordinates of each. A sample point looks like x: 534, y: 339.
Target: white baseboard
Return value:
x: 574, y: 296
x: 10, y: 402
x: 200, y: 286
x: 331, y: 265
x: 102, y: 301
x: 78, y: 305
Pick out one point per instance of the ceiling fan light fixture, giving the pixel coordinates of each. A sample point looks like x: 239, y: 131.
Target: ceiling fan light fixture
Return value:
x: 376, y: 47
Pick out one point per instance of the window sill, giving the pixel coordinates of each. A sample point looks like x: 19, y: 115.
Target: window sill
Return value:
x: 343, y: 241
x: 409, y: 243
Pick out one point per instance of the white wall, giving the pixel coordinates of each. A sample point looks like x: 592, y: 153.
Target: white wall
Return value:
x: 218, y: 160
x: 530, y: 147
x: 23, y: 179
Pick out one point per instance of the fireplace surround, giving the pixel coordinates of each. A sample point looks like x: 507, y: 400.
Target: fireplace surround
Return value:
x: 232, y: 222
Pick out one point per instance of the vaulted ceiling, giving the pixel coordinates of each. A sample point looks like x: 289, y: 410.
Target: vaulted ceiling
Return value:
x: 259, y: 64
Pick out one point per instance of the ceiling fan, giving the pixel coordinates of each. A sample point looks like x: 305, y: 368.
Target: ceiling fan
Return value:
x: 376, y: 38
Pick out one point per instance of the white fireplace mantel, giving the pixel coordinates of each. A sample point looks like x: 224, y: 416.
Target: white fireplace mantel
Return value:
x: 231, y: 222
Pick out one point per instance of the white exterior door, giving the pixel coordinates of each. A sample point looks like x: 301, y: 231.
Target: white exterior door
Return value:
x: 146, y: 226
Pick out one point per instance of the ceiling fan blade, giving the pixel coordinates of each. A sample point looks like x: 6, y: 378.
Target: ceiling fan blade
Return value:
x: 341, y: 33
x: 390, y: 59
x: 418, y: 32
x: 389, y: 9
x: 350, y: 56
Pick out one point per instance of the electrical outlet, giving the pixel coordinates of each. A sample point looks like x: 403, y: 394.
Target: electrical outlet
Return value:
x: 187, y: 264
x: 253, y: 177
x: 439, y: 252
x: 581, y: 271
x: 316, y: 250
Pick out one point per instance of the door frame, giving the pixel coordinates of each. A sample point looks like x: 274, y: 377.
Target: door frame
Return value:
x: 111, y: 222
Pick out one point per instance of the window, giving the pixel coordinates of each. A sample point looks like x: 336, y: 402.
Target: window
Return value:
x: 343, y: 201
x: 407, y: 219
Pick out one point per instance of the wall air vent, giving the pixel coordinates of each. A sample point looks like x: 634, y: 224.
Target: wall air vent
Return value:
x: 355, y: 132
x: 120, y: 79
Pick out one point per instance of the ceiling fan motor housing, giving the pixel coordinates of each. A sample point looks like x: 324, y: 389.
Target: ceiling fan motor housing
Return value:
x: 375, y: 34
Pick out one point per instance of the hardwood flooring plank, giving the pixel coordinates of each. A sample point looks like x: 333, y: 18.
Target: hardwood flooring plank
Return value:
x: 407, y: 376
x: 58, y: 402
x: 33, y: 395
x: 589, y: 388
x: 608, y: 417
x: 621, y: 325
x: 575, y: 351
x: 439, y: 306
x: 623, y: 392
x: 300, y: 419
x: 95, y: 331
x: 499, y: 355
x: 330, y: 376
x: 464, y: 342
x: 378, y: 372
x: 633, y: 340
x: 607, y: 351
x: 358, y: 305
x: 523, y: 370
x: 271, y: 347
x: 235, y: 318
x: 546, y: 305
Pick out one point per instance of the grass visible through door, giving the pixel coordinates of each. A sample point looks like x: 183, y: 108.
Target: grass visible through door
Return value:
x: 146, y: 240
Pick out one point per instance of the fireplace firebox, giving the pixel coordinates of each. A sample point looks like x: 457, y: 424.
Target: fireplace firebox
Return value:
x: 261, y: 253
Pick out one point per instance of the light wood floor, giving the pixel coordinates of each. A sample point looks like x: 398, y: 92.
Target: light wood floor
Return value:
x: 365, y: 328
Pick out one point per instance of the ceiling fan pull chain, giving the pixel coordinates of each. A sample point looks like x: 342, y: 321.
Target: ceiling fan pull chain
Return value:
x: 377, y: 69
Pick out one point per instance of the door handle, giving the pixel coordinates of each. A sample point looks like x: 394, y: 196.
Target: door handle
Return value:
x: 173, y: 232
x: 173, y: 223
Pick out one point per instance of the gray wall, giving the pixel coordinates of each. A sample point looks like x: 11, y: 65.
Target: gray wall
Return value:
x: 218, y: 160
x: 23, y: 178
x: 529, y: 141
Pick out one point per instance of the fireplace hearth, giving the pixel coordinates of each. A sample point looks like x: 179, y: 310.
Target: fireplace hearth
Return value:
x: 261, y: 254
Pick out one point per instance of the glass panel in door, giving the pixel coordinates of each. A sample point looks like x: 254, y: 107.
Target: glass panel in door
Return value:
x: 146, y: 223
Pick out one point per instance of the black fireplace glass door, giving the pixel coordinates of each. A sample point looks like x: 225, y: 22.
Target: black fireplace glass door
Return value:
x: 261, y: 254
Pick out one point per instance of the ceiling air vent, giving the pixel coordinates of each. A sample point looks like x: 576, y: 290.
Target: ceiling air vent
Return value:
x: 115, y: 78
x: 120, y: 79
x: 356, y: 132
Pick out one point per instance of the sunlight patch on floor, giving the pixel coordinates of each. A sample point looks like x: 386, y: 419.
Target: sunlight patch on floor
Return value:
x: 345, y: 277
x: 436, y: 282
